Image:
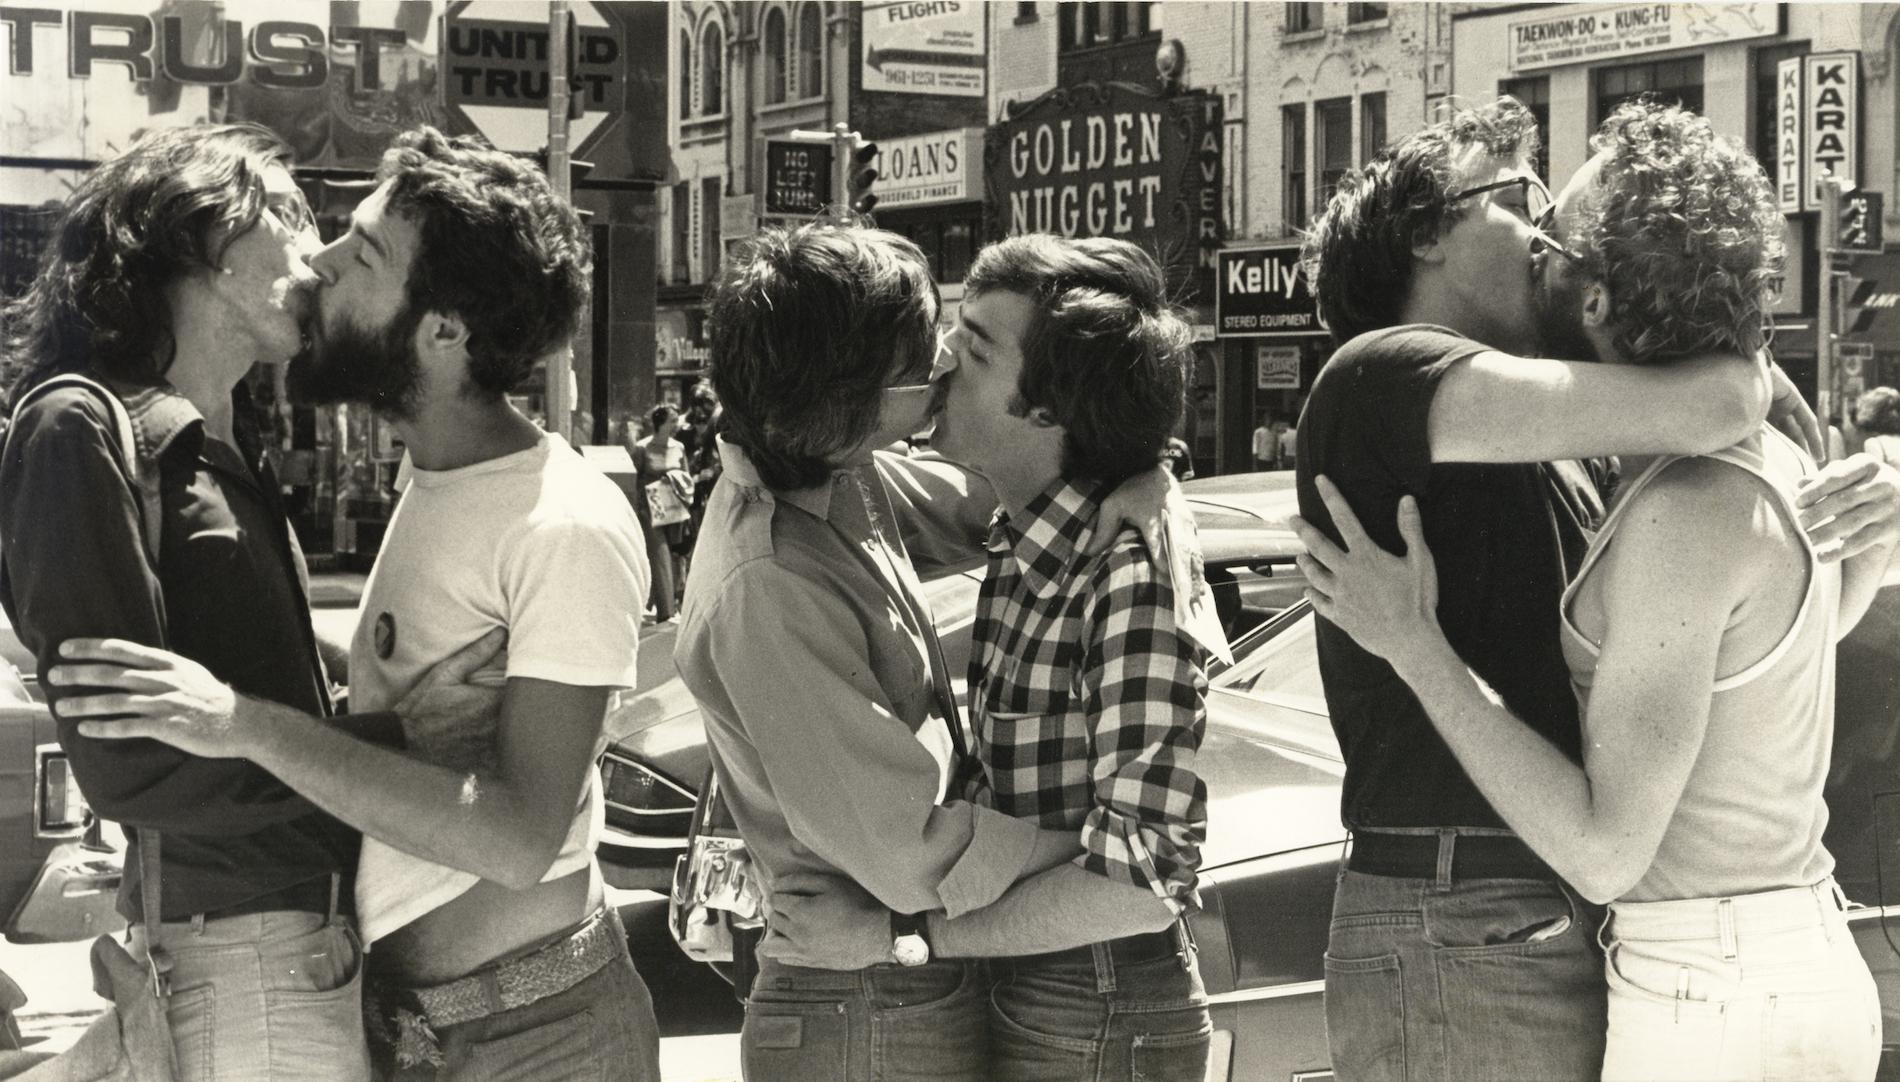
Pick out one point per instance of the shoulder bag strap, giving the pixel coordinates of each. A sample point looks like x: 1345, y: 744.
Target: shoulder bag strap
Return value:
x: 144, y: 478
x: 157, y: 962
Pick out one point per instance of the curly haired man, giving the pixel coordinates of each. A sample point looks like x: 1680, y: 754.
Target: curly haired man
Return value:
x: 1699, y: 633
x: 1455, y: 951
x: 495, y: 955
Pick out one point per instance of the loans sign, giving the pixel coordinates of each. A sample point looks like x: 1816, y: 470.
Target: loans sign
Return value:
x: 1592, y: 33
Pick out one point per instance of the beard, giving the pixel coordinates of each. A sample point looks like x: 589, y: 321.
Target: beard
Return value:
x: 376, y: 367
x: 1559, y: 314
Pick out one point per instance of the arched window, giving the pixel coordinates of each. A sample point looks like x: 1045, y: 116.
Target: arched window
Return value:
x: 712, y: 70
x: 811, y: 48
x: 686, y: 75
x: 775, y: 57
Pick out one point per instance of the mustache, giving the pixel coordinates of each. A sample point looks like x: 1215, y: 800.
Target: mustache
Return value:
x: 939, y: 393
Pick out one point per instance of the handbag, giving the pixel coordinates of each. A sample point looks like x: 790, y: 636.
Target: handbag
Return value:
x: 664, y: 503
x: 132, y: 1040
x: 716, y: 908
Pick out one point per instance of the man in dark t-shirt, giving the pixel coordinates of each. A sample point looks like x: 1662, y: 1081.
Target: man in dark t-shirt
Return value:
x: 1455, y: 952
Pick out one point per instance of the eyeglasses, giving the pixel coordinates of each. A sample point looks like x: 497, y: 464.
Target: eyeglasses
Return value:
x: 291, y: 209
x: 1536, y: 197
x: 1541, y: 240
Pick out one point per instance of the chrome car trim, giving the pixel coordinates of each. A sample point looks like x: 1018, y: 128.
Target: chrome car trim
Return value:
x: 610, y: 836
x: 1872, y: 912
x: 1275, y: 991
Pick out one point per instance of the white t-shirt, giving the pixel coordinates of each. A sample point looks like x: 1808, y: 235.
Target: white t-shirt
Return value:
x: 539, y: 542
x: 1885, y: 448
x: 1263, y: 442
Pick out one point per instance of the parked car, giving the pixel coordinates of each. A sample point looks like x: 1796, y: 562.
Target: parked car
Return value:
x: 59, y: 866
x: 1273, y: 773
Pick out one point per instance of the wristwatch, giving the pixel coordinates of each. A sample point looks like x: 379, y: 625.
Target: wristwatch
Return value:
x: 909, y: 945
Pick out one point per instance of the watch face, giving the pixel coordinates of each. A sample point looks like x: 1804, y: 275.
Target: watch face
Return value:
x: 910, y: 950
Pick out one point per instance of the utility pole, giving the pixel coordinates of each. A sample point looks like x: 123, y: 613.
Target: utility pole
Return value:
x: 1824, y: 321
x: 559, y: 366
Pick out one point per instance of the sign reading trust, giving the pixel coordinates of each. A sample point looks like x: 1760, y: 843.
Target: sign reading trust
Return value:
x: 1260, y: 293
x: 1589, y: 33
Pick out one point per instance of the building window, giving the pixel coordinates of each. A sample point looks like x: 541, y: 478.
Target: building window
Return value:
x: 709, y: 246
x: 1673, y: 82
x: 811, y: 39
x: 1371, y: 126
x: 686, y: 75
x: 1334, y: 135
x: 1025, y: 12
x: 682, y: 232
x: 712, y: 70
x: 1364, y: 13
x: 1301, y: 18
x: 1293, y: 165
x: 948, y: 244
x: 1767, y: 100
x: 775, y: 57
x: 1086, y: 25
x: 1533, y: 93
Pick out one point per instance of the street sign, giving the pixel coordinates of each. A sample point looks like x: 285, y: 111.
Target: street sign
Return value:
x: 797, y: 178
x: 1831, y: 109
x: 1861, y: 213
x: 494, y: 71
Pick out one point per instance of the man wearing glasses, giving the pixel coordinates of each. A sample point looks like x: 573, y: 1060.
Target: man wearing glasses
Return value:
x: 1455, y: 952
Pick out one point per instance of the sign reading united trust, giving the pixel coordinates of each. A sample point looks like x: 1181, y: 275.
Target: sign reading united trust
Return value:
x: 1587, y: 33
x: 1260, y: 293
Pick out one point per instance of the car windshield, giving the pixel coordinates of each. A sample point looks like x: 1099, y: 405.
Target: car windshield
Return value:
x: 1275, y: 664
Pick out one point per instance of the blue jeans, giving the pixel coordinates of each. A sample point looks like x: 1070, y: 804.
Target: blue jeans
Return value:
x: 1463, y: 981
x: 886, y: 1023
x: 267, y: 996
x: 1100, y: 1020
x: 600, y: 1030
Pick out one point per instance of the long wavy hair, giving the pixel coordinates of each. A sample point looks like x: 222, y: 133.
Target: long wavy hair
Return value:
x: 1685, y: 233
x: 169, y: 205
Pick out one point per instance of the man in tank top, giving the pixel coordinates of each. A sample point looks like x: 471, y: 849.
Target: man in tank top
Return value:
x: 1699, y: 633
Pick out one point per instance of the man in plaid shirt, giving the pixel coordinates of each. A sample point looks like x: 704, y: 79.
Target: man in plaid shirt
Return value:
x: 1086, y: 696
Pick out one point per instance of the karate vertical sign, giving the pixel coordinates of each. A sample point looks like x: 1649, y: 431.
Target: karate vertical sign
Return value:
x: 1831, y: 113
x: 1789, y: 151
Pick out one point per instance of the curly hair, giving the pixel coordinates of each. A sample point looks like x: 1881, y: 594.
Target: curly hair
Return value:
x: 1357, y: 254
x: 1105, y: 353
x: 1878, y: 412
x: 498, y: 249
x: 808, y: 325
x: 1683, y: 231
x: 170, y: 204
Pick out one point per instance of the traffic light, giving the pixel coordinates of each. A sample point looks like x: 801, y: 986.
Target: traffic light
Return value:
x: 1861, y: 212
x: 861, y: 174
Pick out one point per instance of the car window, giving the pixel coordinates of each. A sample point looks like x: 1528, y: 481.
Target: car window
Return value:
x: 1278, y: 663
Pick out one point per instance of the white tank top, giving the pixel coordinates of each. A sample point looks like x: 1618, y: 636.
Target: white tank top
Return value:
x: 1752, y: 814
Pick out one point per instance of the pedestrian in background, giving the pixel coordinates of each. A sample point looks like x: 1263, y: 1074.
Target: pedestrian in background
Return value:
x: 1877, y: 414
x: 665, y: 511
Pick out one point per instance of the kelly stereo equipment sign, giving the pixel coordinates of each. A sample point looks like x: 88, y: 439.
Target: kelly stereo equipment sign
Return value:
x: 1261, y: 293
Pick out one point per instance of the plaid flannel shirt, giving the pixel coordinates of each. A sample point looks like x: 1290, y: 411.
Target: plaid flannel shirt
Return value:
x: 1087, y: 701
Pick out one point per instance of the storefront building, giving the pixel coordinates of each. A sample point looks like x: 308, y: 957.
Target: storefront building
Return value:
x: 84, y: 80
x: 1751, y: 68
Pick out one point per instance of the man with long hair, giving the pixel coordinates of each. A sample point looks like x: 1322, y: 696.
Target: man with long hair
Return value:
x: 172, y: 270
x: 495, y: 955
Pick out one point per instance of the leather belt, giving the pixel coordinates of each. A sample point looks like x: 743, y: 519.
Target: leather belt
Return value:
x: 1128, y: 950
x: 548, y: 970
x: 1473, y: 856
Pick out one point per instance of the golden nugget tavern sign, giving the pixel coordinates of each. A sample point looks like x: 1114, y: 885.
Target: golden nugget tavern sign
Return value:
x: 1111, y: 160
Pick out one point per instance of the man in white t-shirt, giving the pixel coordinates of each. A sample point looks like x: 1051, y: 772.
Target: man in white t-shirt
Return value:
x: 492, y: 948
x: 1263, y: 447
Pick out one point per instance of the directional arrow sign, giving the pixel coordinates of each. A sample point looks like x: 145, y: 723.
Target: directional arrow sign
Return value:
x: 495, y: 71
